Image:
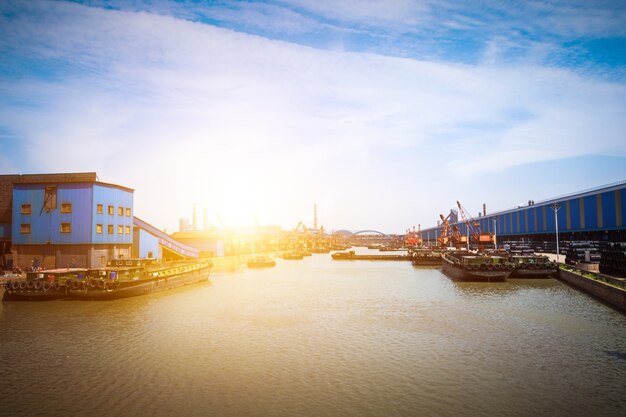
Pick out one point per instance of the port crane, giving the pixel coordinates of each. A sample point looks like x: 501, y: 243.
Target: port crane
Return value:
x: 443, y: 239
x: 473, y: 228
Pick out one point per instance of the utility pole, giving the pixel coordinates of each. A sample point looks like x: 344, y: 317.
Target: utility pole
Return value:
x: 556, y: 208
x: 495, y: 239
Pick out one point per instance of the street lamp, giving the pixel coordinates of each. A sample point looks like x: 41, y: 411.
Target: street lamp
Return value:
x: 556, y: 208
x: 495, y: 239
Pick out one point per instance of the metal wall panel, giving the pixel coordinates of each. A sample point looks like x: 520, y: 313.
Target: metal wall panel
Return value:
x: 116, y: 197
x: 591, y: 212
x: 581, y: 206
x: 148, y: 243
x: 608, y: 209
x: 45, y: 225
x: 574, y: 213
x: 619, y: 207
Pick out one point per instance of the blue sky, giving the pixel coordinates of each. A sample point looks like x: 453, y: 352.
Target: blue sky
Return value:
x: 384, y: 113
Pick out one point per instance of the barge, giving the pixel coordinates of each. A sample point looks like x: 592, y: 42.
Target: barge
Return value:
x: 351, y: 256
x: 535, y: 266
x: 123, y: 278
x: 425, y: 257
x: 44, y: 285
x: 261, y: 262
x: 471, y: 267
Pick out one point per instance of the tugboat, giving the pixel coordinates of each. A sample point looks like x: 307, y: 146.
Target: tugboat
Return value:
x: 261, y: 262
x: 425, y: 257
x: 43, y: 285
x: 124, y: 278
x: 467, y: 266
x: 535, y: 266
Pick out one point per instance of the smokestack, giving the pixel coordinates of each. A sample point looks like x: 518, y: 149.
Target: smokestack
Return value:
x: 484, y: 209
x: 315, y: 217
x: 206, y: 219
x: 195, y: 217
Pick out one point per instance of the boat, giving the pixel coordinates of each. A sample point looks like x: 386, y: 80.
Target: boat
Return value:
x: 43, y: 285
x: 320, y: 249
x: 261, y: 262
x: 123, y: 278
x: 425, y: 257
x: 352, y: 256
x: 391, y: 248
x: 535, y: 266
x: 473, y: 267
x: 292, y: 255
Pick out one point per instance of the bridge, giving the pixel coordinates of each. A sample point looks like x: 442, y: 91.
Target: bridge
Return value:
x: 369, y: 236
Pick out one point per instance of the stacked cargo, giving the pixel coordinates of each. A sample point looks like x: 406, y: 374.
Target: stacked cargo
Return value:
x: 613, y: 259
x: 582, y: 252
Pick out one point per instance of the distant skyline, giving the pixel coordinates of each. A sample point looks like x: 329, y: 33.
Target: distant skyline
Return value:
x: 383, y: 113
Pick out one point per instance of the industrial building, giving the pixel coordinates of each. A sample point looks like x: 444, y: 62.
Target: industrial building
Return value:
x: 591, y: 215
x: 74, y: 220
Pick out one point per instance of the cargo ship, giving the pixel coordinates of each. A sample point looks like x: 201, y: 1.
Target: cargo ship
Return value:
x: 123, y: 278
x: 472, y: 267
x: 42, y: 285
x: 535, y: 266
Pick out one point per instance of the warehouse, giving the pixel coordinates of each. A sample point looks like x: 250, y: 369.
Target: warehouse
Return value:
x: 591, y: 215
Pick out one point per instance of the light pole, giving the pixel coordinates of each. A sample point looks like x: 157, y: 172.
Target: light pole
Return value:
x: 556, y: 208
x: 495, y: 239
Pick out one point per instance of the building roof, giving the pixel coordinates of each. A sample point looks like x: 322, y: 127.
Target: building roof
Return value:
x: 58, y: 178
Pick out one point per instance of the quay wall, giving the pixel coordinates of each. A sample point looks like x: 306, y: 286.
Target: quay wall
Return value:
x: 610, y: 294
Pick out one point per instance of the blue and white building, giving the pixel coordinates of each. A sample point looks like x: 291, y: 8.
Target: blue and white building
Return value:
x: 62, y: 220
x: 75, y: 220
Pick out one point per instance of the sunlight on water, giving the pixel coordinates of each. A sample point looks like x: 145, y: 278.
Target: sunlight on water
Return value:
x: 319, y: 338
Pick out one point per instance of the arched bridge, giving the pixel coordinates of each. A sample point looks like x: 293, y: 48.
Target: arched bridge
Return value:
x: 348, y: 235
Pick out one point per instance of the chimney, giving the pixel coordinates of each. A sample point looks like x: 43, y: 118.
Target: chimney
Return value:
x: 206, y: 219
x: 195, y: 217
x: 484, y: 209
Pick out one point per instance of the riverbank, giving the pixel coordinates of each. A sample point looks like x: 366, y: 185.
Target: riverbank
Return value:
x: 607, y: 289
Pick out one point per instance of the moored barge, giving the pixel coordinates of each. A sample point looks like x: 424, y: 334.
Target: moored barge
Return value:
x: 352, y: 256
x: 535, y: 266
x: 425, y: 257
x: 467, y: 266
x: 44, y: 285
x: 123, y: 278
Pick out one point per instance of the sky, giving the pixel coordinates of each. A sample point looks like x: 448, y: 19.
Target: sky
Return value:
x: 383, y: 113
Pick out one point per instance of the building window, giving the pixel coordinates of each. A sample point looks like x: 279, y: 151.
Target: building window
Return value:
x: 120, y: 211
x: 128, y: 212
x: 111, y: 212
x: 99, y: 229
x: 66, y: 227
x: 110, y: 229
x: 25, y: 209
x: 25, y: 228
x: 99, y: 209
x: 66, y: 207
x: 128, y: 230
x: 120, y: 230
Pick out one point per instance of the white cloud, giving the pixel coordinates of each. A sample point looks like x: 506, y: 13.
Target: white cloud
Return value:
x: 186, y: 112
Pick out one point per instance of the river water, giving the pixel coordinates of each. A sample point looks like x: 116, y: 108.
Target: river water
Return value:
x: 319, y: 338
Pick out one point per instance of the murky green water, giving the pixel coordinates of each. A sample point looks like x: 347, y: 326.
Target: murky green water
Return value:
x: 319, y: 338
